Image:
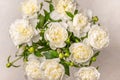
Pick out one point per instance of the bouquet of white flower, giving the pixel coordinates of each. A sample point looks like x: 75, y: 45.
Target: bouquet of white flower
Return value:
x: 53, y: 36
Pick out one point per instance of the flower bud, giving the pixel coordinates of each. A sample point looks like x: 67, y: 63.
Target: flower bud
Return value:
x: 61, y: 55
x: 95, y: 19
x: 68, y: 41
x: 71, y: 64
x: 94, y: 59
x: 67, y: 55
x: 8, y: 65
x: 31, y: 49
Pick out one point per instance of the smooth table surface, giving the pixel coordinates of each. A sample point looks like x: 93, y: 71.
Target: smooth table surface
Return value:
x: 109, y: 15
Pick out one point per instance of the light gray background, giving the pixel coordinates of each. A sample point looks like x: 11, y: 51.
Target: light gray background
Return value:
x: 109, y: 14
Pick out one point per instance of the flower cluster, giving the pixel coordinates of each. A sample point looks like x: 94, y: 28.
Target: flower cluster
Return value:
x: 58, y: 36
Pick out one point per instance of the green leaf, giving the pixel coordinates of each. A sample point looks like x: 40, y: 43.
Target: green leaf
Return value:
x: 66, y: 67
x: 38, y: 54
x: 46, y: 12
x: 44, y: 49
x: 41, y: 22
x: 52, y: 20
x: 51, y: 7
x: 86, y: 36
x: 77, y: 39
x: 66, y: 50
x: 76, y: 11
x: 25, y: 55
x: 51, y: 54
x: 74, y: 39
x: 42, y: 42
x: 70, y: 14
x: 47, y: 15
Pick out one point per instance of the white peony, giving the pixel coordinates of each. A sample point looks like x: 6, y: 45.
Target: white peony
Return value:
x: 80, y: 52
x: 80, y: 20
x: 33, y: 69
x: 56, y: 35
x: 88, y: 73
x: 97, y: 37
x: 65, y: 5
x: 80, y: 25
x: 52, y: 70
x: 29, y: 7
x: 21, y: 32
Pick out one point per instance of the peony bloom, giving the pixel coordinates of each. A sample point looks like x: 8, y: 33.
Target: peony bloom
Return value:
x: 56, y: 35
x: 52, y: 70
x: 80, y: 52
x: 79, y: 25
x: 97, y: 37
x: 80, y: 20
x: 88, y: 73
x: 21, y: 32
x: 29, y: 7
x: 33, y: 69
x: 65, y: 5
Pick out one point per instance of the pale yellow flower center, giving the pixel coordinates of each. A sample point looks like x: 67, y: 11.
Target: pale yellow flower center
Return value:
x: 82, y: 20
x: 63, y: 6
x: 54, y: 72
x: 87, y: 75
x: 99, y: 38
x: 81, y: 52
x: 57, y: 36
x: 29, y: 8
x: 23, y: 31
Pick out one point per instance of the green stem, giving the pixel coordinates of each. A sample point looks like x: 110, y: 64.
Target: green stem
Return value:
x: 9, y: 64
x: 16, y: 59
